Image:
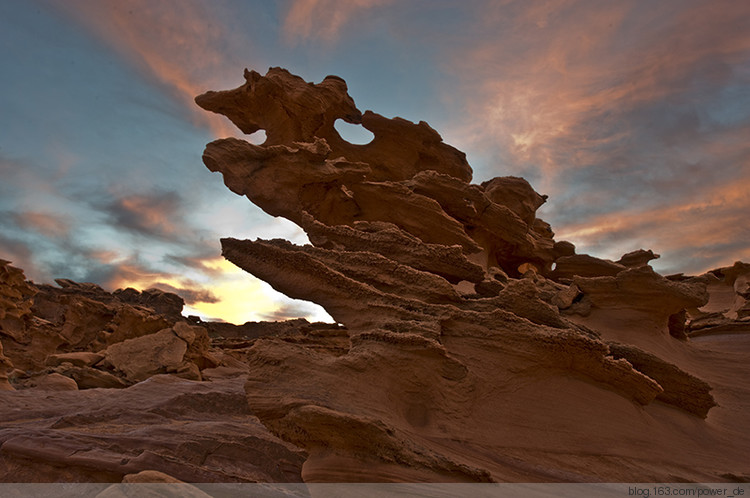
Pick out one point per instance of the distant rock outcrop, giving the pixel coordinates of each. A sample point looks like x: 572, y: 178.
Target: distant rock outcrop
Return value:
x: 120, y: 386
x: 479, y: 345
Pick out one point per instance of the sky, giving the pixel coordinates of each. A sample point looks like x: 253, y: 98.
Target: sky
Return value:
x: 632, y: 116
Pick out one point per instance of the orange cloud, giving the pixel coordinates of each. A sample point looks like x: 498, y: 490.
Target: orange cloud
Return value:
x: 44, y: 223
x: 178, y: 45
x: 539, y: 76
x: 711, y: 229
x: 324, y: 19
x: 217, y: 290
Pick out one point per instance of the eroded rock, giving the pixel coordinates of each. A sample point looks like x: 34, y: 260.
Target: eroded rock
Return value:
x: 446, y: 290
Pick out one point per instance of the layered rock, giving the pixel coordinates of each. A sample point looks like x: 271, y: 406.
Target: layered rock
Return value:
x: 93, y: 338
x: 466, y: 319
x: 15, y: 302
x: 728, y: 309
x: 192, y: 431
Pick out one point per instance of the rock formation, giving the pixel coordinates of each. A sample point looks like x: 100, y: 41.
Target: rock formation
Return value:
x: 110, y: 387
x: 481, y: 349
x: 470, y: 345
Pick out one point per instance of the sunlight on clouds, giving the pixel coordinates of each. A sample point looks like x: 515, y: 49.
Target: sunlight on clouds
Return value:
x: 175, y: 46
x: 240, y: 297
x: 220, y: 291
x: 703, y: 227
x: 324, y: 19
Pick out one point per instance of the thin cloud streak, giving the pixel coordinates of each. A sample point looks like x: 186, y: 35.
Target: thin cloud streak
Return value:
x: 44, y: 223
x: 179, y: 45
x: 621, y: 116
x: 712, y: 231
x: 324, y: 19
x: 552, y: 83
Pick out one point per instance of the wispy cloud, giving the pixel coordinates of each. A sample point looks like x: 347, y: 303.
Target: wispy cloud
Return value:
x: 554, y: 81
x: 325, y: 19
x: 628, y: 114
x: 51, y: 225
x: 153, y: 214
x: 179, y: 45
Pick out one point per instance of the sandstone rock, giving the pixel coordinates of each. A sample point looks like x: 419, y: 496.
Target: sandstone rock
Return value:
x: 677, y: 325
x: 150, y: 476
x: 143, y: 357
x: 681, y: 389
x: 516, y: 194
x: 565, y: 298
x: 5, y: 366
x: 79, y: 359
x: 406, y: 176
x: 583, y: 265
x: 640, y: 296
x: 744, y: 311
x: 564, y: 248
x: 163, y: 303
x: 15, y: 302
x: 91, y: 378
x: 56, y: 382
x: 396, y: 244
x: 458, y: 347
x: 192, y: 431
x: 638, y: 258
x: 130, y: 322
x: 726, y: 311
x: 79, y: 317
x: 292, y: 110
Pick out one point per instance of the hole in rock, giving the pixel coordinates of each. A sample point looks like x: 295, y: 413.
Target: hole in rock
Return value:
x: 257, y: 137
x: 354, y: 134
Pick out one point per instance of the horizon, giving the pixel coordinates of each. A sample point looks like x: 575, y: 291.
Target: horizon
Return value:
x: 633, y: 118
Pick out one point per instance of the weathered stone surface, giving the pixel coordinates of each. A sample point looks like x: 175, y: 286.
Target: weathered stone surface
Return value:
x: 143, y: 357
x: 458, y: 342
x: 406, y: 176
x: 459, y: 354
x: 15, y: 302
x: 583, y: 265
x: 292, y: 110
x: 79, y: 317
x: 641, y: 295
x: 163, y: 303
x: 681, y: 389
x: 192, y: 431
x: 55, y: 382
x: 91, y: 378
x: 396, y: 244
x: 5, y: 366
x: 727, y: 310
x: 79, y: 359
x: 638, y: 258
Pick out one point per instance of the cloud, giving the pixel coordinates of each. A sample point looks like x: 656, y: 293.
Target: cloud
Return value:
x: 693, y: 237
x: 630, y: 120
x: 290, y: 311
x: 153, y: 214
x: 130, y: 274
x: 19, y: 254
x: 180, y: 46
x: 325, y: 19
x: 554, y: 81
x: 51, y: 225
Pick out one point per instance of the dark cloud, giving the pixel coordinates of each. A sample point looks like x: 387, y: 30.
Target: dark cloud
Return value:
x: 158, y: 213
x: 287, y: 312
x: 191, y: 295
